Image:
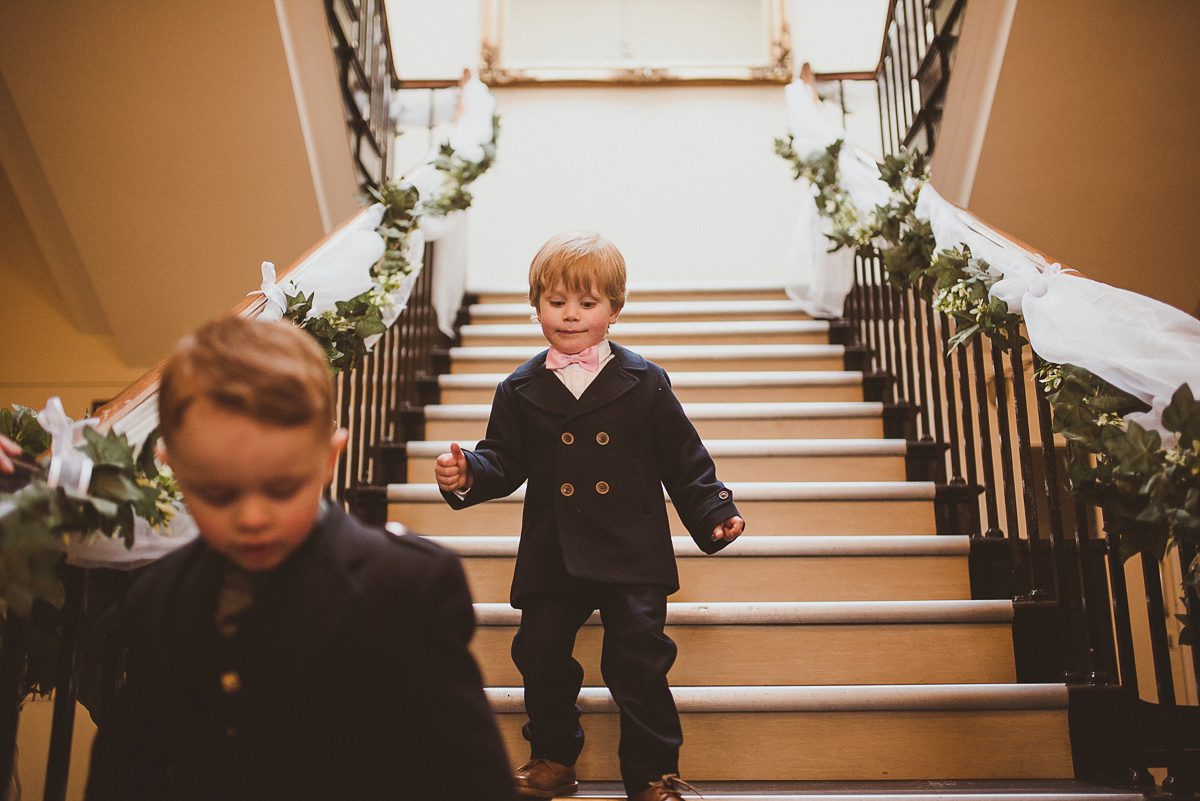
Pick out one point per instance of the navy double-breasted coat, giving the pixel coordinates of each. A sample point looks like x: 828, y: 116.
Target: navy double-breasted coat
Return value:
x: 350, y: 677
x: 596, y: 467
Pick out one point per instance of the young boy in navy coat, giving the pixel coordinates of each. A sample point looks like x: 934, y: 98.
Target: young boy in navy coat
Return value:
x: 291, y: 652
x: 597, y: 432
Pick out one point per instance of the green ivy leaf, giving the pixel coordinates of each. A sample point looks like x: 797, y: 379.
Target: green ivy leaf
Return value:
x: 962, y: 335
x: 146, y: 465
x: 107, y: 449
x: 1182, y: 415
x: 1136, y: 449
x: 21, y: 426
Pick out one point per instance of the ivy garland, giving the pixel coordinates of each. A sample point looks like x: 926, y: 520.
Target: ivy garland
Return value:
x: 1150, y: 495
x: 343, y: 331
x: 38, y: 518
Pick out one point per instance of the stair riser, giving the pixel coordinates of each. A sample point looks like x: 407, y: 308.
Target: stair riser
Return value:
x: 753, y: 428
x: 635, y: 294
x: 741, y: 394
x: 762, y: 518
x: 765, y: 468
x: 779, y: 578
x: 629, y: 315
x: 462, y: 365
x: 796, y: 655
x: 884, y: 745
x: 535, y: 338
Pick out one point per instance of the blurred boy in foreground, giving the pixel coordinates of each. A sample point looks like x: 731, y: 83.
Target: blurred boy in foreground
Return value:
x: 291, y: 652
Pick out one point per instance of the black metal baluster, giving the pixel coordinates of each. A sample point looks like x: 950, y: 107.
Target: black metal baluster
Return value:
x: 1029, y: 490
x: 1008, y: 480
x: 862, y: 304
x: 1164, y: 680
x: 346, y: 484
x: 885, y: 322
x: 1070, y: 603
x: 929, y: 395
x: 66, y: 687
x: 871, y: 314
x: 880, y: 102
x: 911, y: 349
x: 1099, y: 625
x: 968, y: 423
x: 956, y: 436
x: 906, y: 65
x: 987, y: 464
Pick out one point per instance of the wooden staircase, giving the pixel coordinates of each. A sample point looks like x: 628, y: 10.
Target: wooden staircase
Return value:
x: 837, y: 639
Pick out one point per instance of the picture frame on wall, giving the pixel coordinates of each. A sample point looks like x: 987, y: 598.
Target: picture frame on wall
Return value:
x: 638, y: 42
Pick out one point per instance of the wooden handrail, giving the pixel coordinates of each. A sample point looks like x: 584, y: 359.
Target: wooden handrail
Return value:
x: 439, y: 83
x: 1018, y: 242
x: 145, y: 387
x: 829, y: 77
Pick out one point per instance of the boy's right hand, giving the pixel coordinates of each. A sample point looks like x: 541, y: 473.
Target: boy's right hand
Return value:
x: 452, y: 471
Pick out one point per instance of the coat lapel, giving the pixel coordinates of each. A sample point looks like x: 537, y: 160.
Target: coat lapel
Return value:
x: 542, y: 389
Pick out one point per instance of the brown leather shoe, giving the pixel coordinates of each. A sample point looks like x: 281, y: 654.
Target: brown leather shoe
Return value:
x: 668, y: 789
x: 542, y: 778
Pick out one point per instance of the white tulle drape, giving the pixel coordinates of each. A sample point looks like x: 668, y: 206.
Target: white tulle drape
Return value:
x: 817, y: 279
x: 1135, y: 343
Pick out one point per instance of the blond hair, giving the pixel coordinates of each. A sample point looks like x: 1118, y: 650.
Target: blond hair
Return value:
x: 273, y: 372
x: 581, y: 260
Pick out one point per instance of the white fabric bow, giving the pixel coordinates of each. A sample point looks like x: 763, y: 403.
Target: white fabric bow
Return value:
x: 69, y: 468
x: 276, y: 299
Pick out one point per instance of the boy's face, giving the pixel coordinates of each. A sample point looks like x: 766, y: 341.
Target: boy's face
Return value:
x: 252, y: 488
x: 573, y: 321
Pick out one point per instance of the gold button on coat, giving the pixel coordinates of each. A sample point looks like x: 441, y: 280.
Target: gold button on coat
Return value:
x: 602, y: 487
x: 567, y: 489
x: 231, y: 682
x: 568, y: 438
x: 602, y: 438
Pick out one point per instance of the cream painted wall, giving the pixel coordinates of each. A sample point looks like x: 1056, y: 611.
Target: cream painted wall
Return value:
x: 1091, y: 149
x: 684, y: 180
x: 171, y: 141
x: 44, y: 355
x: 841, y: 36
x: 434, y: 39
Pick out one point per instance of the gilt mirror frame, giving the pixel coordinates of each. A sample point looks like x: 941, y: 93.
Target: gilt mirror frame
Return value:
x: 496, y: 70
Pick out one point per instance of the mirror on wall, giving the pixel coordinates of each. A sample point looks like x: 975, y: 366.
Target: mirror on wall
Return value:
x: 635, y: 41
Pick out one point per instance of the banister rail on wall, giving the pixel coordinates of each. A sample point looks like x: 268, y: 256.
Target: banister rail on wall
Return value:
x: 979, y: 424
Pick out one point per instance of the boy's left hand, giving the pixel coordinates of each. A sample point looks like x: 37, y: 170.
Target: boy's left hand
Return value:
x: 730, y: 530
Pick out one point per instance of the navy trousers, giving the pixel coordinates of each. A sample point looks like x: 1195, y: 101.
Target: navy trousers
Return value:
x: 634, y: 662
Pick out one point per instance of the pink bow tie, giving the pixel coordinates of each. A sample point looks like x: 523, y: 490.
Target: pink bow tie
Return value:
x: 588, y: 359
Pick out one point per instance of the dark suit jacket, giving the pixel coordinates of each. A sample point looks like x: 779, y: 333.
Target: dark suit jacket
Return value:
x: 596, y: 468
x: 348, y: 678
